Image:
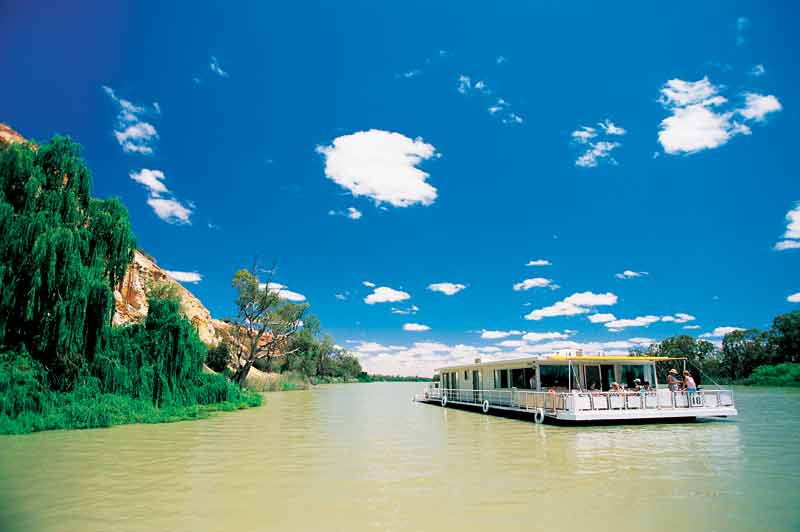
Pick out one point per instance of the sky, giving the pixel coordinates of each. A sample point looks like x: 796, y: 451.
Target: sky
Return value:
x: 441, y: 181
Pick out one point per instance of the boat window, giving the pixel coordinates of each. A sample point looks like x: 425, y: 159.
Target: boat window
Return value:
x: 530, y: 379
x: 554, y: 376
x: 465, y: 375
x: 629, y: 373
x: 500, y: 378
x: 592, y: 377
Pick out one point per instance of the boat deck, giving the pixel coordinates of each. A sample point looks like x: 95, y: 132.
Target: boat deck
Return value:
x: 655, y: 405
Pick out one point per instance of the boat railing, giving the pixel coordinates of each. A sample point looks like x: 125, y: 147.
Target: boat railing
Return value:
x: 531, y: 400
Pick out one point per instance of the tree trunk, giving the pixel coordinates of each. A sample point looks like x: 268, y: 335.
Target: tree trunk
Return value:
x: 242, y: 372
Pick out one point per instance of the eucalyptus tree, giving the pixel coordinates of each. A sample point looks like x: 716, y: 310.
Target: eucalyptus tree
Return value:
x: 264, y: 325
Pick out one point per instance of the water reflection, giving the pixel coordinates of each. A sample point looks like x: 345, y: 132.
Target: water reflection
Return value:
x: 363, y: 457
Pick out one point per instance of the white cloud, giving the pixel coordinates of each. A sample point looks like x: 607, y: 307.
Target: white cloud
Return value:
x: 341, y: 297
x: 792, y: 234
x: 447, y: 289
x: 794, y: 298
x: 758, y: 71
x: 757, y: 106
x: 639, y: 321
x: 787, y: 244
x: 284, y: 293
x: 695, y: 123
x: 153, y: 180
x: 415, y: 327
x: 596, y: 150
x: 611, y: 128
x: 384, y: 294
x: 599, y: 150
x: 680, y: 317
x: 641, y: 341
x: 602, y: 318
x: 575, y: 304
x: 464, y: 83
x: 131, y: 131
x: 351, y: 212
x: 160, y: 199
x: 539, y: 262
x: 495, y: 335
x: 381, y: 165
x: 185, y: 277
x: 534, y: 337
x: 691, y: 327
x: 536, y: 282
x: 216, y: 69
x: 584, y: 134
x: 628, y: 274
x: 720, y: 332
x: 170, y: 210
x: 590, y: 299
x: 413, y: 309
x: 368, y: 284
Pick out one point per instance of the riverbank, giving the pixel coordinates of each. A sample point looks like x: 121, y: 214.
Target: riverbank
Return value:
x: 84, y: 409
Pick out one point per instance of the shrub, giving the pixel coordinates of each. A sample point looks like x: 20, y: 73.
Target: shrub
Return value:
x: 786, y: 374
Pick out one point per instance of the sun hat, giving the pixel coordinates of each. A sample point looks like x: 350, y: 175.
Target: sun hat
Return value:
x: 673, y: 370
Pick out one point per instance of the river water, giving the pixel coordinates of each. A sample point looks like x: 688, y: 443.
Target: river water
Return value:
x: 364, y: 457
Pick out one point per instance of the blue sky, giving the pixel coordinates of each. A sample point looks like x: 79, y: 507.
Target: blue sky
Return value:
x: 435, y: 151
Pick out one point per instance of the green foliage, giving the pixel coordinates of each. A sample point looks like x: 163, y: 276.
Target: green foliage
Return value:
x: 62, y: 364
x: 696, y: 351
x: 785, y: 337
x: 743, y: 351
x: 60, y: 253
x: 316, y: 356
x: 785, y: 374
x: 264, y: 325
x: 750, y: 356
x: 217, y: 357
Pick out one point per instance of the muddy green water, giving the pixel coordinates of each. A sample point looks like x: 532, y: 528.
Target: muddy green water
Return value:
x: 364, y: 457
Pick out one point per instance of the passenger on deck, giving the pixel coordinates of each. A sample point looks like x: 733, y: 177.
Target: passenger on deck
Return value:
x: 688, y: 382
x: 551, y: 391
x: 637, y: 386
x: 647, y: 386
x: 673, y: 382
x: 616, y: 388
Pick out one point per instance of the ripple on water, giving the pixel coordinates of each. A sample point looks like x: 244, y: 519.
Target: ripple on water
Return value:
x: 363, y: 457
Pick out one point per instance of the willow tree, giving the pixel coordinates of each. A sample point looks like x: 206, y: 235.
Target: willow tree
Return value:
x: 61, y: 252
x: 264, y: 324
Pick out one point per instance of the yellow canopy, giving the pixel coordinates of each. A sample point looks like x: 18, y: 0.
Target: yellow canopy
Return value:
x: 582, y: 358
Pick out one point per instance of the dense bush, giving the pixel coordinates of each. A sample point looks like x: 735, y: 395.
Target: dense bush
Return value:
x: 786, y: 374
x: 218, y: 357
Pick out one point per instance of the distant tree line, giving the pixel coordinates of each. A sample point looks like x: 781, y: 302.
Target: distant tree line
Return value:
x: 749, y: 356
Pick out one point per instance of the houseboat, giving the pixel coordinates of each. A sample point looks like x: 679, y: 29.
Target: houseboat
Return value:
x: 574, y: 388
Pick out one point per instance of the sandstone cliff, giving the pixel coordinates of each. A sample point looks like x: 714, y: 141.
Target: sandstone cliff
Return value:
x: 9, y: 136
x: 130, y: 298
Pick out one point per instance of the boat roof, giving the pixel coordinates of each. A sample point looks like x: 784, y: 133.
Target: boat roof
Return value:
x: 521, y: 362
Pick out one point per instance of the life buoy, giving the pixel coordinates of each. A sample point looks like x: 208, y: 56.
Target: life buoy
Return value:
x: 444, y: 400
x: 538, y: 416
x: 485, y: 407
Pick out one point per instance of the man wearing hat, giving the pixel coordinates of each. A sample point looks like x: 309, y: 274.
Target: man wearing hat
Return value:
x: 673, y: 382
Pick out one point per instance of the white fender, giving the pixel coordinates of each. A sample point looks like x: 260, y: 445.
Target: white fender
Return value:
x: 485, y: 407
x: 444, y: 399
x: 538, y: 416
